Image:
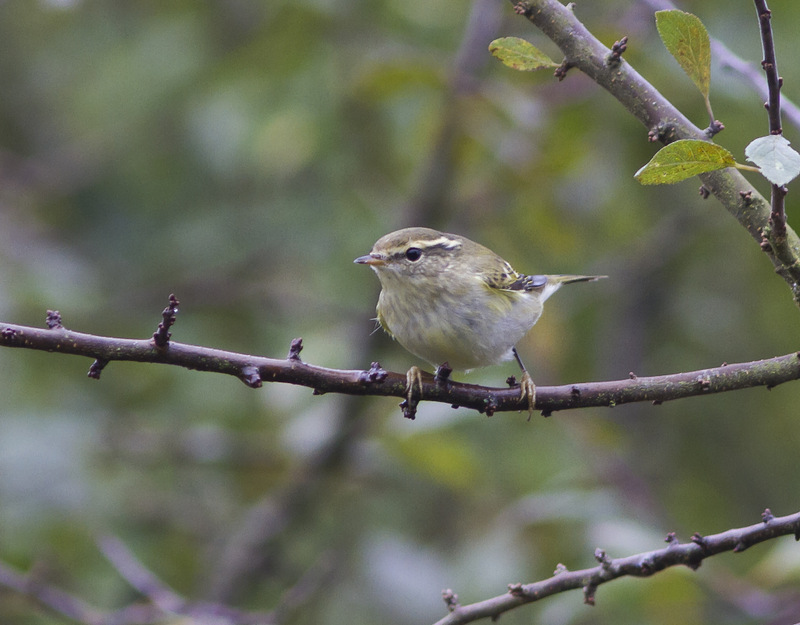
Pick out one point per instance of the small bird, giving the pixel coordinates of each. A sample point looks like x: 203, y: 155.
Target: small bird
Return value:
x: 455, y: 303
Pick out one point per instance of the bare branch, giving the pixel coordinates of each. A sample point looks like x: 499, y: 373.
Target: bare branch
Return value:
x: 376, y: 381
x: 689, y: 554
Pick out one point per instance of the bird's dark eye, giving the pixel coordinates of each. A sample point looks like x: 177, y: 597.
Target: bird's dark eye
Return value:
x: 413, y: 254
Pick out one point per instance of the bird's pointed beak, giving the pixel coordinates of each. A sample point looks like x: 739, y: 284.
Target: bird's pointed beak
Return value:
x: 373, y: 259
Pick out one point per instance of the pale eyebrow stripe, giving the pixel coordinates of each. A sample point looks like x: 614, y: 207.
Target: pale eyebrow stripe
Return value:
x: 444, y: 242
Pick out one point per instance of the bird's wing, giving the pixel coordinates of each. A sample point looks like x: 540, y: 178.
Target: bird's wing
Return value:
x: 506, y: 279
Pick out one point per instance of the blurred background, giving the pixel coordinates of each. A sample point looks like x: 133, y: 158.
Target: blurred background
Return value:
x: 241, y: 154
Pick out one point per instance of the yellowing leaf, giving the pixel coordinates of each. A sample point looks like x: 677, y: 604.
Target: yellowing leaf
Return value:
x: 778, y: 163
x: 519, y: 54
x: 687, y: 40
x: 684, y: 159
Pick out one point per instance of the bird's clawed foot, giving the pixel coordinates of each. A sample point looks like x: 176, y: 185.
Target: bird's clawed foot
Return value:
x: 528, y: 389
x: 413, y: 383
x: 414, y: 387
x: 526, y: 385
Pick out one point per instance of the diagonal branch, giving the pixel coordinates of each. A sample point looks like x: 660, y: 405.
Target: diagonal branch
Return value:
x: 253, y: 370
x: 139, y: 577
x: 665, y: 123
x: 167, y: 600
x: 689, y: 554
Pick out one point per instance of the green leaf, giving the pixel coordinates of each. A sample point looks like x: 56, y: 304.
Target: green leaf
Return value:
x: 687, y: 40
x: 684, y: 159
x: 519, y: 54
x: 779, y: 163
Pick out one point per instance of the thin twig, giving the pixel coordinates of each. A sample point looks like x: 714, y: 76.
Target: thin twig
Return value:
x: 689, y: 554
x: 770, y: 66
x: 777, y: 219
x: 162, y: 334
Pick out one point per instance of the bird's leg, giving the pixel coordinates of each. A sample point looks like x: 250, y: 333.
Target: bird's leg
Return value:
x: 526, y: 385
x: 413, y: 381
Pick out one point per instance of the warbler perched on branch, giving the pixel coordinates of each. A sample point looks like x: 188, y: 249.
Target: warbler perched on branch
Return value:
x: 455, y: 303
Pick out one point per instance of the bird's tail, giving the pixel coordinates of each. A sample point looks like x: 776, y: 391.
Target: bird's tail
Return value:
x: 567, y: 279
x: 554, y: 282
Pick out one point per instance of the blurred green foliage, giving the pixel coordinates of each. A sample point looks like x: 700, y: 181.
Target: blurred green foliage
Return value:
x: 240, y: 154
